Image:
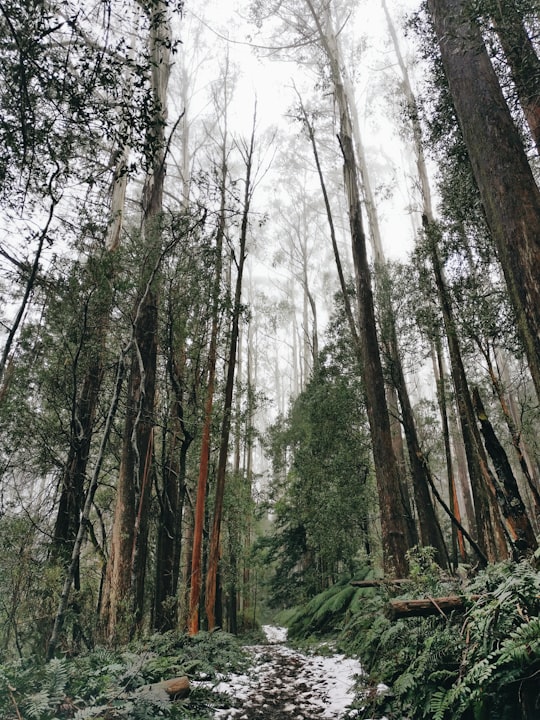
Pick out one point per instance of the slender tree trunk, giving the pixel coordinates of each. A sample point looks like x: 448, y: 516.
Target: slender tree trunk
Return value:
x: 125, y: 575
x: 457, y: 535
x: 387, y: 312
x: 85, y: 515
x: 171, y: 499
x: 428, y: 523
x: 397, y: 439
x: 488, y: 525
x: 509, y: 193
x: 74, y: 475
x: 395, y: 536
x: 200, y: 502
x: 93, y: 346
x: 211, y: 596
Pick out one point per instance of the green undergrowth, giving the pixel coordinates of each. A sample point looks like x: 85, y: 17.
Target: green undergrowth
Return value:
x: 482, y: 663
x: 327, y: 614
x: 108, y: 684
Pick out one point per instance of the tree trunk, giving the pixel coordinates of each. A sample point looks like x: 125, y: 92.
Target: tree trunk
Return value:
x: 124, y: 587
x: 200, y: 502
x: 428, y: 523
x: 522, y: 60
x: 509, y: 193
x: 457, y: 535
x: 430, y: 606
x: 125, y: 570
x: 395, y: 536
x: 171, y: 503
x: 519, y: 528
x: 211, y: 596
x: 74, y: 475
x: 488, y: 525
x: 85, y: 515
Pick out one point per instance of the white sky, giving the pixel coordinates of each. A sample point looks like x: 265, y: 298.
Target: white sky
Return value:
x: 270, y: 82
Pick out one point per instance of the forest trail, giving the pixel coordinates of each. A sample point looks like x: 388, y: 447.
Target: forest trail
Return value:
x: 287, y: 685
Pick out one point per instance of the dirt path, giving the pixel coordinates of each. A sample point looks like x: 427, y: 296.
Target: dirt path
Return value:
x: 288, y: 685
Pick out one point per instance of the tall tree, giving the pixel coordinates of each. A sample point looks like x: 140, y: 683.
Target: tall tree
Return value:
x: 509, y: 193
x: 127, y: 561
x: 248, y: 153
x: 222, y: 101
x: 395, y: 535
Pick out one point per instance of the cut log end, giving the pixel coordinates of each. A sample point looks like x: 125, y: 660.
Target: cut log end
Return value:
x: 177, y: 688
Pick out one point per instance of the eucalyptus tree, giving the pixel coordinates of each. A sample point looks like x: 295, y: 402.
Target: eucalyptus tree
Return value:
x: 396, y: 389
x: 127, y: 560
x: 222, y: 94
x: 461, y: 216
x: 186, y: 316
x: 509, y: 193
x: 247, y: 151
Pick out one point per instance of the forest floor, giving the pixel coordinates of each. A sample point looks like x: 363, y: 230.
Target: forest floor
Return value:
x: 284, y: 684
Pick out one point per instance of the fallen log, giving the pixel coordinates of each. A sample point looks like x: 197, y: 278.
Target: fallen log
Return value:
x: 173, y: 689
x: 427, y: 606
x: 378, y: 582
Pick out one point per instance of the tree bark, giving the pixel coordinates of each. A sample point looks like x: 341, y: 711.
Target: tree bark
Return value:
x: 519, y: 528
x: 509, y: 193
x: 431, y: 606
x: 522, y: 60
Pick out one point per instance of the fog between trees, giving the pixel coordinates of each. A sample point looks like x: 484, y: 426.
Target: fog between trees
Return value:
x: 270, y: 304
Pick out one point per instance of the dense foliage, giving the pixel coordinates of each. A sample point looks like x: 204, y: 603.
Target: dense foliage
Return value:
x: 218, y: 397
x: 120, y: 684
x: 322, y: 487
x: 480, y: 663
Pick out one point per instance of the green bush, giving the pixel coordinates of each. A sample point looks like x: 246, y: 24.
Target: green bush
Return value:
x: 483, y: 664
x: 110, y: 684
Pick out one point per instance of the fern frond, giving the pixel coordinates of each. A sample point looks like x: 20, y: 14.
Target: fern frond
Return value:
x: 37, y: 704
